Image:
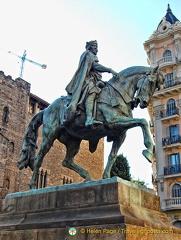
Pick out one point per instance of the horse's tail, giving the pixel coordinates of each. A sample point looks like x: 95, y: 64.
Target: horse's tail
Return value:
x: 29, y: 146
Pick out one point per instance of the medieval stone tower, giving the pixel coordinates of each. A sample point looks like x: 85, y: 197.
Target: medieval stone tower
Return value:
x: 17, y: 106
x: 164, y: 49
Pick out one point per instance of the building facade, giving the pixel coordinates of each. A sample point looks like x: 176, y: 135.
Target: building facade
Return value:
x: 164, y: 49
x: 17, y: 106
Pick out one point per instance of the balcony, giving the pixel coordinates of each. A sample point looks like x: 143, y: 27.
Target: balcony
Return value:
x: 168, y: 114
x: 173, y: 141
x: 171, y: 203
x: 172, y: 169
x: 166, y: 62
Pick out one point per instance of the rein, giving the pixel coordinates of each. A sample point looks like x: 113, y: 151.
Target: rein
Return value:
x: 145, y: 77
x: 122, y: 93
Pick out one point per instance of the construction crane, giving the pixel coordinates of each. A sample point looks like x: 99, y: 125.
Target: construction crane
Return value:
x: 23, y: 59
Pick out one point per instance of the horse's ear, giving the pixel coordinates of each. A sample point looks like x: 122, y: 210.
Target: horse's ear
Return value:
x: 155, y: 69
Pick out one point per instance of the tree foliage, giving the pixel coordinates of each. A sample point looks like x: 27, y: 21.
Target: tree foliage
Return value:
x: 140, y: 182
x: 121, y: 168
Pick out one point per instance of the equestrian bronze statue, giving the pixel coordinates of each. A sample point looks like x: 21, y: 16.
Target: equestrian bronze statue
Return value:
x: 108, y: 113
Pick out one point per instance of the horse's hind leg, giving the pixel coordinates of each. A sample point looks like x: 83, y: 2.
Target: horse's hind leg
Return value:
x: 73, y: 146
x: 44, y: 148
x: 113, y: 154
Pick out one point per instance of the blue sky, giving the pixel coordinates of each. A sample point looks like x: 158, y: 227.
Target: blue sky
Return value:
x: 54, y: 32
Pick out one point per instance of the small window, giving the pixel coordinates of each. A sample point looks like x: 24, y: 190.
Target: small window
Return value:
x: 5, y: 117
x: 176, y: 190
x: 31, y: 107
x: 11, y: 148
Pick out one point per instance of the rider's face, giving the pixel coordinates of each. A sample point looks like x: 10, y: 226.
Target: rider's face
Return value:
x: 94, y: 48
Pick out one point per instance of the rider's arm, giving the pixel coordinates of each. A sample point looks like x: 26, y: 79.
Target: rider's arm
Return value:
x: 100, y: 68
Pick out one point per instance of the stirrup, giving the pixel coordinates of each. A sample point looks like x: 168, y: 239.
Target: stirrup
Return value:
x: 92, y: 122
x: 97, y: 122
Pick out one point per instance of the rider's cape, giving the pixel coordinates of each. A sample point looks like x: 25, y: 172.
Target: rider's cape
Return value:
x: 74, y: 88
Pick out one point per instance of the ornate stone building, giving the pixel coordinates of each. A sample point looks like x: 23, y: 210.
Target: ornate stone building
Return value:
x: 17, y: 106
x: 164, y: 49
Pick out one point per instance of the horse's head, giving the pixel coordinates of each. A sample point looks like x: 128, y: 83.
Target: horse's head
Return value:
x: 147, y: 86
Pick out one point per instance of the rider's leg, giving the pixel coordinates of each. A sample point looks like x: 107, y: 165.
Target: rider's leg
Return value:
x: 89, y: 106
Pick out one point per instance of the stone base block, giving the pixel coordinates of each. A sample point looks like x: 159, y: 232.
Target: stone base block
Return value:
x: 104, y: 209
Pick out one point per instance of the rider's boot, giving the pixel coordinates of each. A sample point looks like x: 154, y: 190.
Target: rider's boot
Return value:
x: 89, y: 105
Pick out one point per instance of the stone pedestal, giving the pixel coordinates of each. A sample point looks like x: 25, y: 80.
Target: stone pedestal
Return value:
x: 104, y: 209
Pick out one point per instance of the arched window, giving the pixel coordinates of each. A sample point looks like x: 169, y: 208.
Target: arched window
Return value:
x: 42, y: 179
x: 7, y: 183
x: 167, y: 56
x: 167, y: 53
x: 176, y: 190
x: 177, y: 224
x: 5, y: 117
x: 11, y: 148
x: 67, y: 180
x: 171, y: 107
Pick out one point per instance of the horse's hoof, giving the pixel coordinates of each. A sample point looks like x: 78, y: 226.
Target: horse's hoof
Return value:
x: 147, y: 155
x: 105, y: 176
x: 86, y: 180
x: 32, y: 186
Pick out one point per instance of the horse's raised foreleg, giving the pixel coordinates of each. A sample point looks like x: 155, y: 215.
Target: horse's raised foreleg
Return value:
x: 113, y: 154
x: 128, y: 123
x: 73, y: 146
x: 148, y: 153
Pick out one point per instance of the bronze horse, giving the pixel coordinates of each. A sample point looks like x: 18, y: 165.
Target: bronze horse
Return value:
x: 135, y: 85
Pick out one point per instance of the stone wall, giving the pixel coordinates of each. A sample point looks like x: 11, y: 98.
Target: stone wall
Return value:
x: 15, y: 115
x: 106, y: 209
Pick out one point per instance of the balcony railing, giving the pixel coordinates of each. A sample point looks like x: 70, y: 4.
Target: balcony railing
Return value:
x: 171, y: 140
x: 172, y: 169
x: 164, y: 60
x: 172, y: 82
x: 169, y: 112
x: 171, y: 203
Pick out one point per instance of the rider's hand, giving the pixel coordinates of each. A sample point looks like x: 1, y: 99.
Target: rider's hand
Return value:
x: 115, y: 74
x: 100, y: 84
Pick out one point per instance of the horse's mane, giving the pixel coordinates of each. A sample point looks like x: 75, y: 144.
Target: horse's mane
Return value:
x: 134, y: 70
